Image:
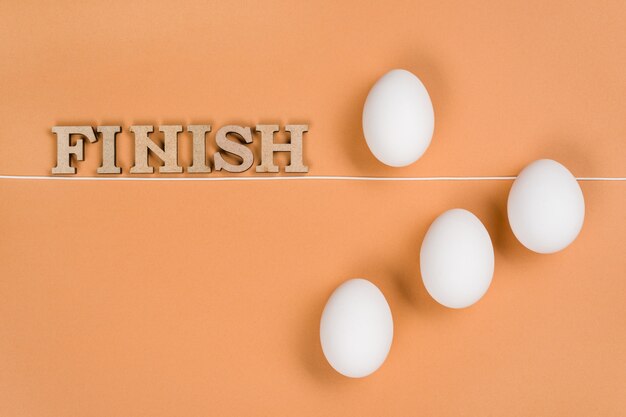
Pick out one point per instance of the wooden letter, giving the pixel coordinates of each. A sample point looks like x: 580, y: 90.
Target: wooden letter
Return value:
x: 65, y: 148
x: 234, y: 147
x: 199, y: 148
x: 108, y: 150
x: 169, y: 153
x: 268, y: 147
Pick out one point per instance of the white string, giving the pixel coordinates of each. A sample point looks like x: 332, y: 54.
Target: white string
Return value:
x: 283, y: 178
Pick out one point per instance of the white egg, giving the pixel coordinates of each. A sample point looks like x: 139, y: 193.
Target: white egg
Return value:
x: 546, y: 207
x: 398, y: 118
x: 356, y: 329
x: 456, y: 259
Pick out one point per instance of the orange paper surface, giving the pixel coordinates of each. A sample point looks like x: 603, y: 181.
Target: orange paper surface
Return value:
x: 204, y: 298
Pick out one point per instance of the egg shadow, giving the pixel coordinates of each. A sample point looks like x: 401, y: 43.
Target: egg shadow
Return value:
x: 399, y: 277
x: 350, y: 132
x: 496, y: 222
x: 309, y: 345
x: 410, y: 284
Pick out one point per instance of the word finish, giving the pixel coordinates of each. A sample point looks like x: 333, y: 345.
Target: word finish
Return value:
x: 168, y: 154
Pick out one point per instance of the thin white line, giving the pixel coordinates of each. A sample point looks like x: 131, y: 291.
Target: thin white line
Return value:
x: 283, y: 178
x: 601, y: 178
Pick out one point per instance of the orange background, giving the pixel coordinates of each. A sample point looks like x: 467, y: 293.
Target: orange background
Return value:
x: 188, y: 299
